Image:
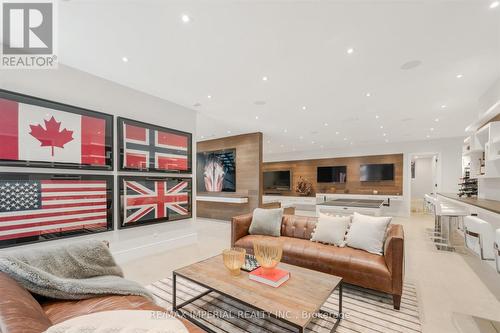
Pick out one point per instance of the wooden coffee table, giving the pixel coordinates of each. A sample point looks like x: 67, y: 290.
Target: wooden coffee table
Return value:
x: 296, y: 302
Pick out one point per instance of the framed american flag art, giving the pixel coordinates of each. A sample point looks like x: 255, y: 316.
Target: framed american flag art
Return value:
x: 39, y: 133
x: 43, y: 207
x: 149, y: 148
x: 147, y: 200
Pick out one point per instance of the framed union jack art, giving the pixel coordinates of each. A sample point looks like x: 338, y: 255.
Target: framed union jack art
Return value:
x: 145, y: 147
x: 39, y: 133
x: 43, y: 207
x: 146, y: 200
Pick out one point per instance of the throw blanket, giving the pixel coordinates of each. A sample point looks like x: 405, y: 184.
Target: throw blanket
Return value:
x: 77, y: 271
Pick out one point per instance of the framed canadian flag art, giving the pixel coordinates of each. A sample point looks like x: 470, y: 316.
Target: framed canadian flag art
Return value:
x: 150, y: 148
x: 147, y: 200
x: 39, y: 133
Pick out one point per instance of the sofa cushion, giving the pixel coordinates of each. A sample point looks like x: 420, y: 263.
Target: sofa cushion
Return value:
x: 331, y: 229
x: 266, y: 222
x: 298, y: 226
x: 355, y: 266
x: 368, y: 233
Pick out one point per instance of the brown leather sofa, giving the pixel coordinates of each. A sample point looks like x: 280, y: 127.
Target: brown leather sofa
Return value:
x: 20, y: 312
x: 358, y: 267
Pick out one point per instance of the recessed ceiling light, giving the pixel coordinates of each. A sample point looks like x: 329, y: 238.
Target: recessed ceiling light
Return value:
x: 444, y: 106
x: 377, y: 116
x: 304, y: 108
x: 256, y: 117
x: 345, y: 139
x: 459, y: 76
x: 494, y: 4
x: 337, y: 133
x: 285, y: 130
x: 428, y: 136
x: 381, y: 126
x: 432, y: 129
x: 368, y: 94
x: 124, y: 59
x: 436, y: 120
x: 384, y: 134
x: 386, y: 140
x: 185, y: 18
x: 350, y: 50
x: 325, y: 124
x: 265, y: 78
x: 313, y: 142
x: 209, y: 96
x: 352, y: 143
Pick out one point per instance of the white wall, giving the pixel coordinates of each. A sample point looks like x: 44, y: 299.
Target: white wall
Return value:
x: 70, y: 86
x: 422, y: 183
x: 449, y: 153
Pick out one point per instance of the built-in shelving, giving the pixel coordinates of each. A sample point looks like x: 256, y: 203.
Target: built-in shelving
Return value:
x: 481, y: 151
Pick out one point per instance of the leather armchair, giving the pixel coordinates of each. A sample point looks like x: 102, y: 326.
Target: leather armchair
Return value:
x: 358, y: 267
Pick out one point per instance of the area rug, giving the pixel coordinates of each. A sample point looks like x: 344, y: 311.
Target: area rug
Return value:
x: 365, y: 311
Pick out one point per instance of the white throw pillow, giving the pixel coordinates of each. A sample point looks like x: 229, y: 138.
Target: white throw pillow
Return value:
x: 331, y: 229
x: 368, y: 233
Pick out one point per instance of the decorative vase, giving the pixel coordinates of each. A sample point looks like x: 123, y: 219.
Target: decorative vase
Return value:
x: 268, y: 253
x: 234, y: 259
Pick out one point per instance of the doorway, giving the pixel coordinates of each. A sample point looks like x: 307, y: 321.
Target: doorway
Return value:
x: 424, y: 179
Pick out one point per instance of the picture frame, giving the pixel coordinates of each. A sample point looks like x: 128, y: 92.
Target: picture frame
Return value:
x: 146, y: 147
x: 142, y: 203
x: 36, y: 132
x: 53, y: 206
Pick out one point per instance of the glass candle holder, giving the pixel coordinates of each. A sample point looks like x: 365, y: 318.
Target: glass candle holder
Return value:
x: 234, y: 259
x: 268, y: 253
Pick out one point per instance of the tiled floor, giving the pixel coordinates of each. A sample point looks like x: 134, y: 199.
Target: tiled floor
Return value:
x: 445, y: 282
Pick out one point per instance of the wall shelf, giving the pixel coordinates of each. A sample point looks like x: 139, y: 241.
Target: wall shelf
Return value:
x: 485, y: 141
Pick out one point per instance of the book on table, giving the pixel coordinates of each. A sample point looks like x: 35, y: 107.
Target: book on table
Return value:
x: 273, y: 278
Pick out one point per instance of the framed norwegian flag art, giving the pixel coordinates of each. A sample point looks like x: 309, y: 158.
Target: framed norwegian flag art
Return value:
x: 44, y: 207
x: 147, y: 200
x: 39, y: 133
x: 149, y: 148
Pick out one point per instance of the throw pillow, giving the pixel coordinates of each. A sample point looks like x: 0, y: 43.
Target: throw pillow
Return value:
x: 266, y: 222
x: 368, y: 233
x: 331, y: 229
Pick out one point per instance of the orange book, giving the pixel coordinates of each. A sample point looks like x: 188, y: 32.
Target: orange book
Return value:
x: 274, y: 278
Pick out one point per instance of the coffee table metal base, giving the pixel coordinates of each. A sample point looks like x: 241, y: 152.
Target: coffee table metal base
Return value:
x: 188, y: 315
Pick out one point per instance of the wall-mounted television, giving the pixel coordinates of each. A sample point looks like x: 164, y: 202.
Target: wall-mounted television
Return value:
x: 376, y: 172
x: 277, y: 180
x: 331, y: 174
x: 216, y: 171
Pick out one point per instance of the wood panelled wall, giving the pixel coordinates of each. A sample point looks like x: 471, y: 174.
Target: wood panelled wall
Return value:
x: 248, y: 176
x: 307, y: 169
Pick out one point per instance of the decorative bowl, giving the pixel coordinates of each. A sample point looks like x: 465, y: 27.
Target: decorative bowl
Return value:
x: 268, y: 253
x: 234, y: 259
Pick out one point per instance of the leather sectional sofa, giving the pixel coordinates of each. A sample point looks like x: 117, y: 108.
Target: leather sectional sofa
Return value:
x: 357, y: 267
x: 20, y: 312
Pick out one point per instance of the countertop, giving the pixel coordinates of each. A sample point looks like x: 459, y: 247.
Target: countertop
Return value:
x: 491, y: 205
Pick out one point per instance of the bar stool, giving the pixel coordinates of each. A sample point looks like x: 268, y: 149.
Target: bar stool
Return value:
x: 497, y: 249
x: 445, y: 215
x: 479, y: 237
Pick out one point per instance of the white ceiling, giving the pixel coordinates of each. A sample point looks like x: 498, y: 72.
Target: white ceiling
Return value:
x: 228, y: 46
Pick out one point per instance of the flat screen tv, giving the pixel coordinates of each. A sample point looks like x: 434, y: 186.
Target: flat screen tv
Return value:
x: 331, y: 174
x: 216, y: 171
x: 277, y: 180
x: 376, y: 172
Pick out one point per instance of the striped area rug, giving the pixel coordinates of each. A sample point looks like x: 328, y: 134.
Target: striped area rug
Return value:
x: 365, y: 311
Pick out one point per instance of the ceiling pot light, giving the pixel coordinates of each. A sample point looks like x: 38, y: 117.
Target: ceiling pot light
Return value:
x: 325, y: 124
x: 301, y: 137
x: 304, y: 108
x: 265, y: 78
x: 432, y: 129
x: 185, y: 18
x: 350, y: 50
x: 285, y: 130
x: 368, y: 94
x: 256, y: 117
x: 436, y: 120
x: 377, y: 116
x: 444, y: 106
x: 345, y: 139
x: 459, y: 76
x: 124, y: 59
x: 381, y: 126
x: 494, y: 4
x: 209, y: 96
x: 337, y: 133
x: 385, y: 134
